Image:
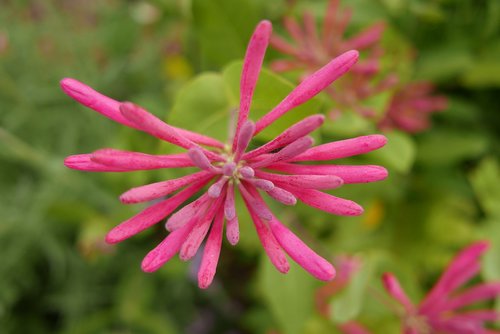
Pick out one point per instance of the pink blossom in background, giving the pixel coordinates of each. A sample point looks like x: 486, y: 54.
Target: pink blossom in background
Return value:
x: 411, y: 104
x: 227, y: 168
x: 309, y: 49
x: 411, y: 108
x: 446, y: 308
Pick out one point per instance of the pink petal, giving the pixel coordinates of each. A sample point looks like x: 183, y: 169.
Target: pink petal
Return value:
x: 393, y: 287
x: 310, y: 87
x: 244, y: 137
x: 166, y: 249
x: 283, y: 46
x: 251, y: 67
x: 181, y: 217
x: 310, y: 30
x: 462, y: 268
x: 201, y: 161
x: 294, y: 30
x: 271, y: 246
x: 455, y: 325
x: 233, y: 231
x: 247, y: 172
x: 265, y: 185
x: 83, y: 162
x: 286, y: 153
x: 343, y: 148
x: 110, y: 108
x: 283, y: 196
x: 300, y: 253
x: 352, y: 327
x: 159, y: 189
x: 199, y: 231
x: 284, y: 65
x: 151, y: 215
x: 326, y: 202
x: 229, y: 207
x: 251, y: 200
x: 479, y: 315
x: 151, y: 124
x: 366, y: 38
x: 215, y: 189
x: 473, y: 295
x: 211, y: 253
x: 296, y: 131
x: 350, y: 174
x: 329, y: 23
x: 199, y: 138
x: 304, y: 181
x: 94, y: 100
x: 139, y: 161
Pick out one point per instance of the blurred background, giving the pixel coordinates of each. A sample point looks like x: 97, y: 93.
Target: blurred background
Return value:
x: 58, y: 276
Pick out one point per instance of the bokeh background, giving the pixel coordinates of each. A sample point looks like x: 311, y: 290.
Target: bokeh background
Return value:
x: 58, y: 276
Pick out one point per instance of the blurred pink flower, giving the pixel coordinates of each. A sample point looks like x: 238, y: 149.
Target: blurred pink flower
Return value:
x: 442, y: 311
x: 311, y: 49
x: 231, y: 167
x: 411, y: 107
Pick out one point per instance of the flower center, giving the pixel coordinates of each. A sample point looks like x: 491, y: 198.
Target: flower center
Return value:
x: 418, y: 323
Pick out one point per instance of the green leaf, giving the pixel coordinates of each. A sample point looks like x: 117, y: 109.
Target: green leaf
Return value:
x: 486, y: 183
x: 203, y: 106
x: 483, y: 74
x: 449, y: 147
x: 348, y: 304
x: 289, y: 297
x: 223, y: 28
x: 444, y: 63
x: 347, y: 124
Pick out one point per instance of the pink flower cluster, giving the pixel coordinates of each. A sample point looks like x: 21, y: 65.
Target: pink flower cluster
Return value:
x: 310, y: 49
x: 230, y: 167
x: 442, y: 310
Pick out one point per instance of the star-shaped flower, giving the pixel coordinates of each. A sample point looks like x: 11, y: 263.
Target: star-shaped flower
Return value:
x: 230, y: 167
x: 442, y: 310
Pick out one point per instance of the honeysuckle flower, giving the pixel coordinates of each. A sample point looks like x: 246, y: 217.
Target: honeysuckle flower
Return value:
x: 446, y: 309
x: 411, y: 107
x: 226, y: 168
x: 310, y: 49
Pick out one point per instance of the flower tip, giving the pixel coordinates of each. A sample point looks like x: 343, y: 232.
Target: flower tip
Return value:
x: 265, y: 26
x: 111, y: 238
x: 388, y: 279
x: 352, y: 55
x: 148, y: 266
x: 328, y: 274
x: 126, y: 199
x: 76, y: 90
x: 71, y: 161
x: 483, y: 245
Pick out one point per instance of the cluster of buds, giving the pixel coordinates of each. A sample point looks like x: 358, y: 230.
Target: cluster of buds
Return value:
x: 309, y: 49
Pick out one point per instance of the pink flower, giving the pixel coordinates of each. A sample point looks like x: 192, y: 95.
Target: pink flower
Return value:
x: 310, y: 49
x: 230, y: 167
x: 442, y: 310
x: 411, y: 107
